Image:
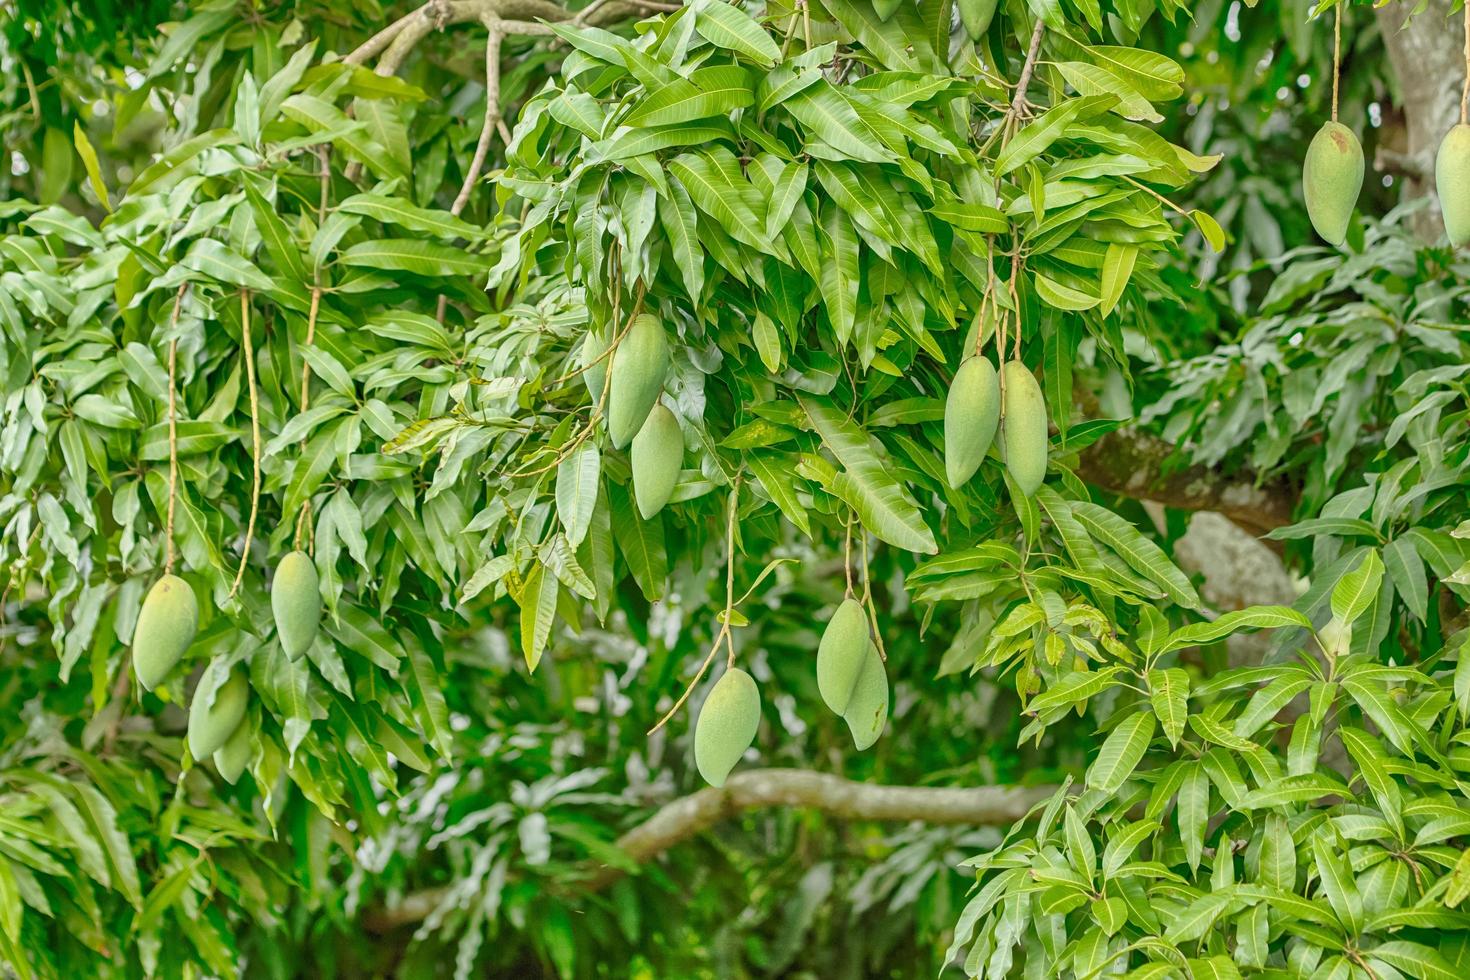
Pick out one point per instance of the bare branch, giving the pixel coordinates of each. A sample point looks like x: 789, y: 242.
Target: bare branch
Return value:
x: 843, y: 799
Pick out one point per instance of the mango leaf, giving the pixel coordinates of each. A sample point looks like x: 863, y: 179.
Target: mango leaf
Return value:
x: 885, y: 507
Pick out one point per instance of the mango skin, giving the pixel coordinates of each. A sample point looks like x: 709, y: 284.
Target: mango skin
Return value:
x: 1023, y: 430
x: 166, y: 626
x: 639, y: 367
x: 971, y: 414
x: 232, y: 757
x: 296, y: 601
x: 657, y: 456
x: 1332, y: 176
x: 211, y: 724
x: 841, y: 654
x: 594, y: 375
x: 867, y: 713
x: 1452, y: 181
x: 726, y: 726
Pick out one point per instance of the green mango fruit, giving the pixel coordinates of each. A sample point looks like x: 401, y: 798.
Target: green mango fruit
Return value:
x: 841, y: 654
x: 232, y: 757
x: 658, y: 454
x: 639, y: 367
x: 976, y: 16
x: 982, y: 328
x: 971, y: 414
x: 1023, y: 430
x: 216, y: 712
x: 726, y: 725
x: 867, y: 713
x: 594, y: 365
x: 166, y: 626
x: 1332, y: 176
x: 296, y: 600
x: 1452, y: 181
x: 886, y: 8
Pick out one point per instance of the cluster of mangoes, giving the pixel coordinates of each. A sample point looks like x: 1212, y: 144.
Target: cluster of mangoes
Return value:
x: 167, y: 624
x: 850, y: 677
x: 1332, y: 177
x: 640, y: 365
x: 982, y: 402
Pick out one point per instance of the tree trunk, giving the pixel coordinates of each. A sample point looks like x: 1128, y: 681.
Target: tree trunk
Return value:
x: 1426, y: 52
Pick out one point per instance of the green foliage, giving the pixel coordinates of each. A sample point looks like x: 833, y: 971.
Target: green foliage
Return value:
x: 259, y: 303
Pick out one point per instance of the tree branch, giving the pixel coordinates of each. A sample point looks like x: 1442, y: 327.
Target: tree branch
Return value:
x: 691, y: 815
x: 1133, y: 464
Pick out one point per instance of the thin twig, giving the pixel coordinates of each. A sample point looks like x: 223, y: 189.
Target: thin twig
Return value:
x: 1465, y: 92
x: 324, y: 154
x: 1336, y: 57
x: 375, y: 44
x: 723, y: 636
x: 249, y: 353
x: 173, y: 429
x: 487, y: 132
x: 1019, y: 106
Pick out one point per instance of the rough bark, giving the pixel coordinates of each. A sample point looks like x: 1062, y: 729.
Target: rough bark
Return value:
x: 1136, y: 464
x: 844, y: 799
x: 1426, y: 52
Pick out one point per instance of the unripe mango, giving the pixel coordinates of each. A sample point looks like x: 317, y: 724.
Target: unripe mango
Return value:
x: 971, y: 413
x: 1024, y: 429
x: 867, y: 713
x: 1332, y: 176
x: 1336, y: 638
x: 296, y: 600
x: 976, y: 16
x: 658, y: 453
x: 215, y: 714
x: 232, y: 757
x: 726, y: 725
x: 1452, y: 181
x: 841, y: 654
x: 639, y: 367
x: 166, y: 626
x: 594, y: 365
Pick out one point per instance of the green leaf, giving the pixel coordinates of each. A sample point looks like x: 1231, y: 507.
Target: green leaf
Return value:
x: 715, y: 91
x: 885, y: 507
x: 1121, y: 753
x: 217, y: 261
x: 1038, y: 135
x: 1255, y: 617
x: 1118, y: 264
x: 89, y: 161
x: 1139, y: 552
x: 731, y: 28
x: 397, y: 211
x: 641, y: 543
x: 538, y: 611
x: 1169, y: 695
x: 576, y: 491
x: 1337, y: 882
x: 418, y: 257
x: 1406, y: 570
x: 1356, y: 590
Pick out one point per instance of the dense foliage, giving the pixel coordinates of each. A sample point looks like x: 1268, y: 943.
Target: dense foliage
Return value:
x: 257, y: 296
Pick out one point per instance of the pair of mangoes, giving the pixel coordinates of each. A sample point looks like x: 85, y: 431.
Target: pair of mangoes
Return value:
x: 169, y: 618
x: 1333, y: 175
x: 975, y: 409
x: 850, y: 674
x: 639, y: 367
x: 217, y: 723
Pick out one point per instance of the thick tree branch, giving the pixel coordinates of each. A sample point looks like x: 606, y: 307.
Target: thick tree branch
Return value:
x: 1133, y: 464
x: 844, y: 799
